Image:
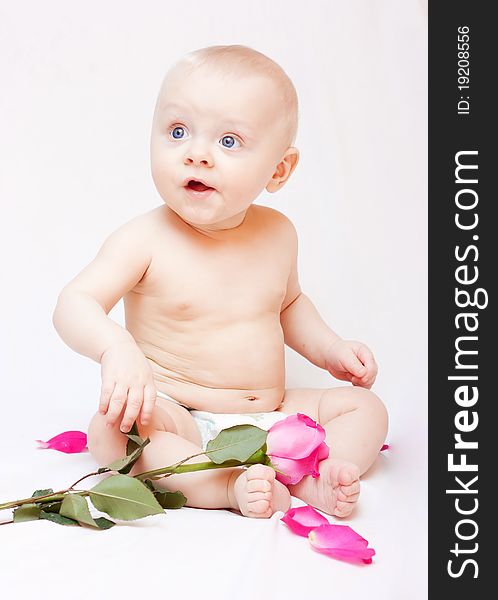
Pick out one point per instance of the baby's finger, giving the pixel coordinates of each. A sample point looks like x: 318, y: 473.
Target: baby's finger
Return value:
x: 116, y: 404
x: 360, y: 383
x: 367, y: 384
x: 105, y: 395
x: 341, y: 375
x: 367, y: 358
x: 366, y: 381
x: 150, y: 396
x: 354, y: 366
x: 135, y: 400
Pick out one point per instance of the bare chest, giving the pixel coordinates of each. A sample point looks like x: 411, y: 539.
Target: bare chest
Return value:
x: 219, y: 282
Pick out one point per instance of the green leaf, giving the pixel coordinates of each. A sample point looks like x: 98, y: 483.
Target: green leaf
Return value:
x: 134, y: 439
x: 165, y: 498
x: 103, y: 523
x: 171, y: 500
x: 236, y: 443
x: 56, y: 518
x: 42, y: 492
x: 124, y: 497
x: 258, y: 458
x: 50, y: 506
x: 133, y: 442
x: 27, y: 512
x: 124, y: 465
x: 75, y: 507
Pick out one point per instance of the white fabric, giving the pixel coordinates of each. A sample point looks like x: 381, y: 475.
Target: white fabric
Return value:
x: 195, y: 553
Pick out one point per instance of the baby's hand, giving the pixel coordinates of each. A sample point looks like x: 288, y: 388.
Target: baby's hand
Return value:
x: 351, y: 361
x: 126, y: 379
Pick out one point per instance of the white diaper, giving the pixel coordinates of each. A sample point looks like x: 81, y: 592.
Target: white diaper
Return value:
x: 210, y: 424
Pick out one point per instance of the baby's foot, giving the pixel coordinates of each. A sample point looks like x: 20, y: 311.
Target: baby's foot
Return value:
x: 335, y: 492
x: 256, y: 493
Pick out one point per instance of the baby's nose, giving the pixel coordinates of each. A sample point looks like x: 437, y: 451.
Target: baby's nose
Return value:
x: 198, y: 157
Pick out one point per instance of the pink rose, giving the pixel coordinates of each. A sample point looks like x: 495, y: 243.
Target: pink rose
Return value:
x: 295, y: 446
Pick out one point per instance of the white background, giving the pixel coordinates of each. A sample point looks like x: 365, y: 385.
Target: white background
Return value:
x: 79, y: 82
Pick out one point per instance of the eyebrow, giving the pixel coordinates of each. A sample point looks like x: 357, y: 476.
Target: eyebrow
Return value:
x: 243, y: 127
x: 172, y: 105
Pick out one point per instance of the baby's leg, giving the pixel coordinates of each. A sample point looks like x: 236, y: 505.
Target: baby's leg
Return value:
x: 355, y: 421
x: 174, y: 436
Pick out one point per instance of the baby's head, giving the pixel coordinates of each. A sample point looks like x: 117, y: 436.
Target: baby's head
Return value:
x: 225, y: 117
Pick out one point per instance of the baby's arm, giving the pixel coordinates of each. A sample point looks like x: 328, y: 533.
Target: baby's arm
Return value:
x: 81, y: 320
x: 307, y: 333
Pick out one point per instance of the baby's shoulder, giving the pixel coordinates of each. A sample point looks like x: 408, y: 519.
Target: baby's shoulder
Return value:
x: 277, y: 221
x: 133, y: 237
x: 143, y: 225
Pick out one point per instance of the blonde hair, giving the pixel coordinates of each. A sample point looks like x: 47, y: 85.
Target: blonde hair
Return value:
x: 231, y: 60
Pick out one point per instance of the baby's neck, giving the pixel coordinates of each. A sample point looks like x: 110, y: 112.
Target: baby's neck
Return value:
x: 219, y: 230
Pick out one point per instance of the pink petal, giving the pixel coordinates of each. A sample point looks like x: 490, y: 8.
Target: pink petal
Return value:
x: 297, y: 436
x: 340, y: 541
x: 384, y: 447
x: 292, y: 470
x: 69, y: 442
x: 295, y: 470
x: 303, y: 519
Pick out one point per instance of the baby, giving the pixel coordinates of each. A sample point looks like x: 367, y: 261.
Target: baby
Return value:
x: 211, y: 294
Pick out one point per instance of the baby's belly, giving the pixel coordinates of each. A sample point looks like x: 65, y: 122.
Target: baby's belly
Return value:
x: 237, y: 368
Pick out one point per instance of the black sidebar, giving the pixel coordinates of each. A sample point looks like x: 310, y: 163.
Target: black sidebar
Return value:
x: 463, y: 268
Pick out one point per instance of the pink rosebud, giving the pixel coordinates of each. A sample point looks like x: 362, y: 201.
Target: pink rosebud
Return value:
x: 304, y: 519
x: 384, y: 447
x: 69, y: 441
x: 295, y: 446
x: 342, y: 542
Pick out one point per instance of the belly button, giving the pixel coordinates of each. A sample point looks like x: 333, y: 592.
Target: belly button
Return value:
x: 251, y: 398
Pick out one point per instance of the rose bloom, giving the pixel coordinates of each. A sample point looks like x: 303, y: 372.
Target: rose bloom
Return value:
x: 295, y: 446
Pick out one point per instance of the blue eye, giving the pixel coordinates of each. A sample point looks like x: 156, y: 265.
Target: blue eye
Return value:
x: 228, y: 141
x: 178, y: 133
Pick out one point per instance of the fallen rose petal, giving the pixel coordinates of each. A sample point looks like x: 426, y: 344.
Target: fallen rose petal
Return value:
x: 342, y: 542
x: 303, y: 519
x: 68, y: 441
x: 384, y: 447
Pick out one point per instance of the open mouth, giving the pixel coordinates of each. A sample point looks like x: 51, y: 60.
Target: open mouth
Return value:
x: 198, y: 186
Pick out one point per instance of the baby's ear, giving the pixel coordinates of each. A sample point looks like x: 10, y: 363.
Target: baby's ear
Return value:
x: 284, y: 169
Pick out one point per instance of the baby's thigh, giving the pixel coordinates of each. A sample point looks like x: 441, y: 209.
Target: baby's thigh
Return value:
x: 108, y: 444
x: 302, y: 400
x: 322, y: 405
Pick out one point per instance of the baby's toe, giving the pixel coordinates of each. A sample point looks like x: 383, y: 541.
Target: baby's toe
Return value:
x: 344, y: 509
x: 348, y: 475
x: 256, y: 496
x: 345, y: 498
x: 260, y: 472
x: 259, y: 507
x: 258, y: 485
x: 350, y: 490
x: 349, y: 493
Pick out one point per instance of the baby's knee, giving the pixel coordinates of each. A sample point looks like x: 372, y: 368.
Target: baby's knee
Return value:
x: 372, y: 405
x: 105, y: 444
